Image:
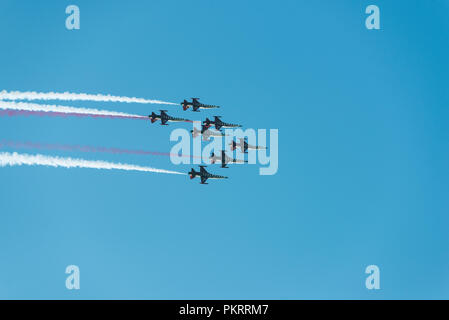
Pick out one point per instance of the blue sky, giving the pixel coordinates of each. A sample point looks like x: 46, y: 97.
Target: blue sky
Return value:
x: 363, y: 151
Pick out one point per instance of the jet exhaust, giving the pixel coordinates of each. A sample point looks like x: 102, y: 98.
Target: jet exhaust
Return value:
x: 17, y: 159
x: 25, y: 106
x: 78, y: 148
x: 15, y: 113
x: 69, y: 96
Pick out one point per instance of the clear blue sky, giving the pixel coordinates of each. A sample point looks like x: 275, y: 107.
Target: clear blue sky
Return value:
x: 363, y: 156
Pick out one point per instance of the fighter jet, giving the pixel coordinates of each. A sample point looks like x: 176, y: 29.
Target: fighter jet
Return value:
x: 195, y: 104
x: 164, y: 117
x: 224, y: 159
x: 219, y: 124
x: 206, y: 133
x: 204, y: 175
x: 244, y: 146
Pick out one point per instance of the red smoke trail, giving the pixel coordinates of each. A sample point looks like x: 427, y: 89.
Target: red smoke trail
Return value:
x: 63, y: 147
x: 12, y: 113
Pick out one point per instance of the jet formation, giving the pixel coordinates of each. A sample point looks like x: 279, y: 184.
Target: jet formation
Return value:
x: 206, y: 132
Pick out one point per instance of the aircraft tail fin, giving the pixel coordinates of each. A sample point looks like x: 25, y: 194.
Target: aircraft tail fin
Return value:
x: 207, y: 123
x: 153, y: 117
x: 185, y: 105
x: 192, y: 173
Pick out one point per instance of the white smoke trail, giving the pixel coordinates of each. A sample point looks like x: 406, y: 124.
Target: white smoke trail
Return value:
x: 68, y: 96
x: 63, y: 109
x: 16, y: 159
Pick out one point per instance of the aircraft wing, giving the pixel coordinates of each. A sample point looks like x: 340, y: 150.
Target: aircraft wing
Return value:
x: 164, y: 120
x: 203, y: 179
x: 202, y: 170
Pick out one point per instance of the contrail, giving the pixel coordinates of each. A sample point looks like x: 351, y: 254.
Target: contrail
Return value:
x: 67, y: 147
x: 33, y: 107
x: 17, y: 159
x: 68, y: 96
x: 12, y: 113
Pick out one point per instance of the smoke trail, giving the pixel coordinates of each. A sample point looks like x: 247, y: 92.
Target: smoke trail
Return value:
x: 65, y: 147
x: 13, y: 113
x: 25, y: 106
x: 16, y: 159
x: 68, y: 96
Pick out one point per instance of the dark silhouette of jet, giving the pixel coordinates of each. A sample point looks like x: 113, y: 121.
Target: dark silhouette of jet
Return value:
x: 219, y: 124
x: 204, y: 175
x: 164, y: 117
x: 195, y: 104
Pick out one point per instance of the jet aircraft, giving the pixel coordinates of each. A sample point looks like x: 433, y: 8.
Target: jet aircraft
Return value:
x: 204, y: 175
x: 195, y: 104
x: 244, y: 146
x: 164, y: 117
x: 219, y: 124
x: 224, y: 159
x: 206, y: 133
